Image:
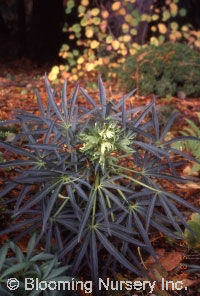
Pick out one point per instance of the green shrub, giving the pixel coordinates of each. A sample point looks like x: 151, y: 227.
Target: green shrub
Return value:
x: 162, y: 70
x: 34, y: 265
x: 194, y: 223
x: 99, y: 175
x: 191, y: 146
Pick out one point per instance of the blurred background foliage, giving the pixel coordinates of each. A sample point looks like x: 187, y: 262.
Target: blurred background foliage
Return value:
x: 167, y: 69
x: 107, y: 32
x: 99, y: 35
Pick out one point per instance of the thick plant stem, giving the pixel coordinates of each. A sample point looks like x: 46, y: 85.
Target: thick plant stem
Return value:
x: 94, y: 211
x: 96, y: 185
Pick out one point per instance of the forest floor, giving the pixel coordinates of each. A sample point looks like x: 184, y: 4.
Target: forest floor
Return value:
x: 18, y: 81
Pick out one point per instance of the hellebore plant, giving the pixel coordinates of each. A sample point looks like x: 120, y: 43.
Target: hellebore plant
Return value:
x: 98, y: 174
x: 32, y: 265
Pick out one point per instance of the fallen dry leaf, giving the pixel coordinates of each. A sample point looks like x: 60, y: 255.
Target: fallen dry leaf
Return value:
x: 187, y: 171
x: 159, y: 252
x: 189, y: 186
x: 168, y: 261
x: 171, y: 261
x: 185, y: 281
x: 189, y: 283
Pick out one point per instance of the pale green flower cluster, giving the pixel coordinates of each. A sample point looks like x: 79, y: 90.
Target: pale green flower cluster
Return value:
x: 101, y: 140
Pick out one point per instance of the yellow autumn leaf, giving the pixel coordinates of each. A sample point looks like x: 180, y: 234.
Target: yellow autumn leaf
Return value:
x: 61, y: 67
x: 122, y: 11
x: 75, y: 77
x: 96, y: 21
x: 80, y: 74
x: 79, y: 42
x: 94, y: 44
x: 135, y: 45
x: 55, y: 70
x: 186, y: 35
x: 100, y: 61
x: 184, y: 28
x: 144, y: 17
x: 153, y: 28
x: 166, y: 15
x: 197, y: 43
x: 96, y: 63
x: 149, y: 19
x: 173, y: 9
x: 128, y: 18
x: 105, y: 14
x: 124, y: 52
x: 155, y: 17
x: 196, y: 33
x: 71, y: 36
x: 84, y: 22
x: 114, y: 65
x: 89, y: 67
x: 116, y: 5
x: 133, y: 32
x: 64, y: 55
x: 162, y: 28
x: 115, y: 44
x: 81, y: 9
x: 154, y: 41
x: 84, y: 2
x: 125, y: 28
x: 80, y: 60
x: 172, y: 37
x: 127, y: 38
x: 95, y: 11
x: 121, y: 60
x: 178, y: 35
x: 52, y: 76
x: 66, y: 67
x: 89, y: 32
x: 174, y: 26
x: 109, y: 39
x: 132, y: 51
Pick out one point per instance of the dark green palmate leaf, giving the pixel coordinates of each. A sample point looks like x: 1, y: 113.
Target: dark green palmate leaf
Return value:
x: 98, y: 182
